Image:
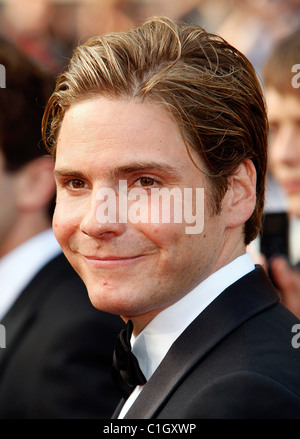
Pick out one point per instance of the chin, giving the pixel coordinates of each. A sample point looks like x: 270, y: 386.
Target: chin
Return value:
x: 109, y: 299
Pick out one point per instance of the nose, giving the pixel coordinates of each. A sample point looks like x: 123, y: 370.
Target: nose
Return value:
x: 100, y: 217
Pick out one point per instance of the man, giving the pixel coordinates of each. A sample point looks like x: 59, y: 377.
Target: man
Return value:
x: 282, y: 82
x: 57, y: 354
x: 159, y: 108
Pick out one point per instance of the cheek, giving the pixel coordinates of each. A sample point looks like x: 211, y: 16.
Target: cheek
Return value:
x: 164, y: 236
x: 173, y: 243
x: 63, y: 225
x: 57, y: 228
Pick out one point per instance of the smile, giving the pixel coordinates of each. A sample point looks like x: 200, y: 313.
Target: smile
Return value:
x: 111, y: 261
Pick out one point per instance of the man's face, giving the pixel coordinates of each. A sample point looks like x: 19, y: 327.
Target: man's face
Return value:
x: 129, y: 268
x: 284, y: 118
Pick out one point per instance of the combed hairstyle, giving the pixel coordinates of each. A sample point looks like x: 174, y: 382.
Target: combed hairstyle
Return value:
x: 277, y: 72
x: 209, y: 88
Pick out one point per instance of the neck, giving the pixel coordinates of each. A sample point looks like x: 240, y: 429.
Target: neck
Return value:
x: 141, y: 321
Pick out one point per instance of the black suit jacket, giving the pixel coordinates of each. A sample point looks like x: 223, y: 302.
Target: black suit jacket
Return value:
x: 58, y: 353
x: 235, y: 360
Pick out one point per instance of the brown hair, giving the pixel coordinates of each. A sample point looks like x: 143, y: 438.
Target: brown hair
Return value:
x: 208, y: 86
x: 277, y: 70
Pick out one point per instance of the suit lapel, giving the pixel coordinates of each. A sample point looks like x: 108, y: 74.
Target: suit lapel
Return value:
x: 238, y: 303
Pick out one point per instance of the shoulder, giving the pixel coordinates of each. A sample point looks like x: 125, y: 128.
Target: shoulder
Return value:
x: 244, y: 395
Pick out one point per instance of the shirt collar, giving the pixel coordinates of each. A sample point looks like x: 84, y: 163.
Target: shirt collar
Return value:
x: 19, y: 266
x: 152, y: 344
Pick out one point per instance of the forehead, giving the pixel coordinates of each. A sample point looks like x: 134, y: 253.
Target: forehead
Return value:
x: 112, y: 133
x: 100, y: 117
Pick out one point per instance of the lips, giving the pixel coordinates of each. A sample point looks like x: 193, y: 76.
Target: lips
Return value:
x: 109, y: 258
x: 111, y: 261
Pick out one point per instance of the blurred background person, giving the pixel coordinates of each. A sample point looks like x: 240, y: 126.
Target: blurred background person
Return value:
x: 256, y: 26
x: 28, y: 23
x: 49, y: 30
x: 58, y: 353
x: 94, y: 17
x: 282, y: 90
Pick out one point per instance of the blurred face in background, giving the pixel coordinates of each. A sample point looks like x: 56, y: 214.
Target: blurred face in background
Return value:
x: 284, y: 144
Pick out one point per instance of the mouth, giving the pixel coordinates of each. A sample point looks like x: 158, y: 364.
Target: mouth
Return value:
x: 111, y: 261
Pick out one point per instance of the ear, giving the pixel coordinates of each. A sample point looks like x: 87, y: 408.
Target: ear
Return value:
x: 36, y: 184
x: 241, y: 195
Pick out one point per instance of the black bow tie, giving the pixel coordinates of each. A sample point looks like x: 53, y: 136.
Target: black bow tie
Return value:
x: 126, y: 372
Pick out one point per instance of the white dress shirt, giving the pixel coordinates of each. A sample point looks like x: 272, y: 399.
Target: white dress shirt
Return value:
x: 19, y: 266
x: 152, y: 344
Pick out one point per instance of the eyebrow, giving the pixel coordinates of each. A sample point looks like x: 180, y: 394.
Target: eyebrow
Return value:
x: 164, y: 168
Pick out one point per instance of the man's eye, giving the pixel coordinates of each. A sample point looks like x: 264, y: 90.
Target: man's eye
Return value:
x: 76, y: 184
x: 147, y: 181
